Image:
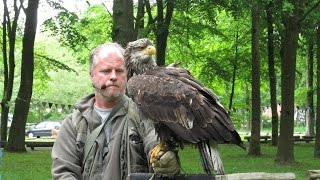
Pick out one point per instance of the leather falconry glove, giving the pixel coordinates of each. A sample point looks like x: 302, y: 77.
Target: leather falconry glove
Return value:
x: 166, y: 163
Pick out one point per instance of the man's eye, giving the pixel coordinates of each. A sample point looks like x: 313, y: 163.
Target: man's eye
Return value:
x: 105, y: 71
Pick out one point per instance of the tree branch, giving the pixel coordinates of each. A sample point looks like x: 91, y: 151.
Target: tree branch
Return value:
x: 308, y: 12
x: 105, y: 6
x: 56, y: 63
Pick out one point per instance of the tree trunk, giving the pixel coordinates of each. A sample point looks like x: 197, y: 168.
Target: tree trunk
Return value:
x: 16, y: 141
x: 123, y: 23
x: 139, y: 24
x: 272, y: 77
x: 310, y: 107
x: 235, y: 65
x: 317, y: 143
x: 288, y: 67
x: 5, y: 100
x: 9, y: 28
x: 162, y: 30
x: 255, y: 148
x: 248, y: 107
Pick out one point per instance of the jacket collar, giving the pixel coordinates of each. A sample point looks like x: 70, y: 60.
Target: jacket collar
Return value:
x: 86, y: 107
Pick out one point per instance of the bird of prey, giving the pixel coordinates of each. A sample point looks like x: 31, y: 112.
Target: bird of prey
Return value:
x: 182, y: 109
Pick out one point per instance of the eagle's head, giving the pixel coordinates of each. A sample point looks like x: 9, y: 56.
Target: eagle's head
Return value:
x: 139, y: 56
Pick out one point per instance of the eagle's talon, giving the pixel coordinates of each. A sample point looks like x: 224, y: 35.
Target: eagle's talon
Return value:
x: 156, y: 152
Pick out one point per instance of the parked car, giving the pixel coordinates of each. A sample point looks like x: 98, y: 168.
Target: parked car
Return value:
x: 43, y: 129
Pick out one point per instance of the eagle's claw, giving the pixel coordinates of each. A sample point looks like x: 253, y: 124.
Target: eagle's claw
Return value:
x: 157, y: 152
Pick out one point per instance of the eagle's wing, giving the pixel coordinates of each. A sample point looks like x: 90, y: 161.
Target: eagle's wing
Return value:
x: 173, y: 97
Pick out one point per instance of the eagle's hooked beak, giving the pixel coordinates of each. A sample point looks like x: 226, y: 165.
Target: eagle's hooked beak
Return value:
x: 150, y: 50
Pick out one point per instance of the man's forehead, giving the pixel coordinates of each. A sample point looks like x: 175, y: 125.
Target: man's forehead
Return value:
x: 112, y: 60
x: 105, y: 52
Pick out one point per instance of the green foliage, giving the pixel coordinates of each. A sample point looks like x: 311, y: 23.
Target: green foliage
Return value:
x: 208, y: 49
x: 240, y: 117
x: 59, y: 77
x: 202, y: 39
x: 53, y: 64
x: 32, y: 116
x: 80, y: 34
x: 55, y: 115
x: 96, y: 24
x: 63, y: 27
x: 70, y: 88
x: 301, y: 96
x: 288, y: 8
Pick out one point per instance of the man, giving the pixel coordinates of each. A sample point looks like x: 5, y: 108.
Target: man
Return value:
x: 124, y: 144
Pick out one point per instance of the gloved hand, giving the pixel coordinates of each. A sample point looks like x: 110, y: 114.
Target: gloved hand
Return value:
x: 168, y: 163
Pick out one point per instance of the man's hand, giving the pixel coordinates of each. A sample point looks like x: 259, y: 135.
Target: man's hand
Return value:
x: 166, y: 163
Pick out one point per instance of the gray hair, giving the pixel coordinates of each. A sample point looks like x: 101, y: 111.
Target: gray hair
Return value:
x: 109, y: 47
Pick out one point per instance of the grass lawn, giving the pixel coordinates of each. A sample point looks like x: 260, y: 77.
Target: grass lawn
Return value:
x: 236, y: 160
x: 36, y: 165
x: 33, y: 165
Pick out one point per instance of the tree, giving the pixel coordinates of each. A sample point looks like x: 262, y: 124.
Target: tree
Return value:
x: 124, y: 30
x: 308, y: 46
x: 123, y: 22
x: 310, y: 92
x: 293, y: 14
x: 317, y: 143
x: 235, y: 63
x: 272, y: 75
x: 162, y: 28
x: 290, y: 19
x: 16, y: 141
x: 9, y: 30
x: 255, y: 148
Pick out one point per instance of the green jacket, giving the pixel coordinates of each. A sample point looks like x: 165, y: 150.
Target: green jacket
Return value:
x: 67, y: 152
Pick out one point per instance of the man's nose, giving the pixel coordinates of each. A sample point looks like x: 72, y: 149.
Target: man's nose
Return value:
x: 113, y: 76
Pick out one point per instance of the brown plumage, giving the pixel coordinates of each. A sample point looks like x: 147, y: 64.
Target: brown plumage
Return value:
x: 182, y: 108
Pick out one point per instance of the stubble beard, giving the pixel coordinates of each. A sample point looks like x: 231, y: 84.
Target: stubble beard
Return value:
x: 113, y: 96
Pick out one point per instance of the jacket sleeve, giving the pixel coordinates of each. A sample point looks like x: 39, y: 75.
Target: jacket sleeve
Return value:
x: 149, y: 136
x: 147, y: 133
x: 66, y: 161
x: 142, y: 137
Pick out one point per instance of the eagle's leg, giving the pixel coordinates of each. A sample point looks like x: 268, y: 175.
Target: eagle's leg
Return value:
x: 210, y: 157
x: 155, y: 152
x: 216, y: 159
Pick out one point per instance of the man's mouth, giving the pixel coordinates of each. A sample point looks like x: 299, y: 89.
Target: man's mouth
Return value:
x: 112, y: 85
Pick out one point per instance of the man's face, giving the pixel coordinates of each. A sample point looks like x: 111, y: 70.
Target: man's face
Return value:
x: 109, y: 76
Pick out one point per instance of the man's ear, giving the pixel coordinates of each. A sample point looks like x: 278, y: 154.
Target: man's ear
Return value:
x: 91, y: 77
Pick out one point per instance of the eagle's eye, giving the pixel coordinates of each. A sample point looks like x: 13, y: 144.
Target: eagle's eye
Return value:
x: 140, y: 48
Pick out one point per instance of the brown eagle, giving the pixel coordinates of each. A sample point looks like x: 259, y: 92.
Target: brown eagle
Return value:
x: 182, y: 109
